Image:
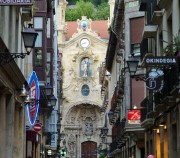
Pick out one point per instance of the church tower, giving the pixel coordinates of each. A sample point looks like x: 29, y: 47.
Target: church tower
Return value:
x: 111, y: 4
x: 61, y: 21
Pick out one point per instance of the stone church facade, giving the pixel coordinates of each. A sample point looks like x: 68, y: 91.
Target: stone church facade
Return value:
x: 83, y: 46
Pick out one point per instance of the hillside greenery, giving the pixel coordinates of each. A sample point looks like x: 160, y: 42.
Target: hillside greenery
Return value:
x: 87, y: 8
x: 95, y: 2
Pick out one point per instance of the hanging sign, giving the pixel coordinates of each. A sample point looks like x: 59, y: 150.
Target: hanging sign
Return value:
x: 150, y: 61
x: 155, y: 80
x: 32, y: 108
x: 134, y: 116
x: 15, y: 2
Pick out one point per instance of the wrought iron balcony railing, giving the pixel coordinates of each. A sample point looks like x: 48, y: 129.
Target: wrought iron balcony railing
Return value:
x: 171, y: 80
x: 146, y: 107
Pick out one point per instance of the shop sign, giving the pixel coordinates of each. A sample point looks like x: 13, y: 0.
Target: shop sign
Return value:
x: 15, y: 2
x: 160, y: 61
x: 32, y: 108
x: 155, y: 80
x: 134, y: 116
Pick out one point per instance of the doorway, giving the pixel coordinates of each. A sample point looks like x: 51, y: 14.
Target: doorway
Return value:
x: 88, y: 149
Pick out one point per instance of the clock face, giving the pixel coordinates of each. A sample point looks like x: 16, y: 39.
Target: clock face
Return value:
x: 84, y: 43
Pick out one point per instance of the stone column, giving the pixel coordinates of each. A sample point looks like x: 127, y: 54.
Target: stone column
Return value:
x: 10, y: 109
x: 3, y: 125
x: 165, y: 29
x: 175, y: 17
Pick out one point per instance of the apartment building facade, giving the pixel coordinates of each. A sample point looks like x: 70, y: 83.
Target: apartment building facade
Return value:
x: 143, y: 30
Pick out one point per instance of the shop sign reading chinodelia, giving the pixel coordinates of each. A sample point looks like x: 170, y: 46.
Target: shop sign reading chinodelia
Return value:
x: 15, y: 2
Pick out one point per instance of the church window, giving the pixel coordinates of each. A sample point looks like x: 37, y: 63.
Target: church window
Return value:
x: 85, y: 90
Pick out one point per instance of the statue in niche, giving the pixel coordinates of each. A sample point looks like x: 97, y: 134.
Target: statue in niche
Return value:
x: 85, y: 68
x: 88, y: 126
x: 71, y: 144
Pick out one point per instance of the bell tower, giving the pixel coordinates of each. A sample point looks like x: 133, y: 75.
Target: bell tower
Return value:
x: 61, y: 21
x: 111, y: 4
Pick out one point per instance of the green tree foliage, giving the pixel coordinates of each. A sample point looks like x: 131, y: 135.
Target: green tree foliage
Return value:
x: 95, y: 2
x: 84, y: 8
x: 87, y: 9
x: 102, y: 12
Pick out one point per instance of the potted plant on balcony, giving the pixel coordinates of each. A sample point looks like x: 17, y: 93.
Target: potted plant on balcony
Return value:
x: 173, y: 48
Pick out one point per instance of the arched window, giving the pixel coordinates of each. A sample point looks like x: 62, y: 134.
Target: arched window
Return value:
x: 86, y: 67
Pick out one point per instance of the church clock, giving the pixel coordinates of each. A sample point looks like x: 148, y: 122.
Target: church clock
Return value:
x: 85, y: 43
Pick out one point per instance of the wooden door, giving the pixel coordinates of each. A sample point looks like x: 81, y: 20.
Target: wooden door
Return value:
x: 88, y: 149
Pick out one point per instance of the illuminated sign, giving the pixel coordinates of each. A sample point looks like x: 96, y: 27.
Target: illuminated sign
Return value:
x: 15, y: 2
x: 32, y: 108
x: 134, y: 116
x: 155, y: 80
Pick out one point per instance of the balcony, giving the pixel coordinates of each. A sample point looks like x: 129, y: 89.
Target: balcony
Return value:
x: 171, y: 85
x: 117, y: 135
x: 156, y: 13
x: 150, y: 31
x: 144, y: 48
x: 113, y: 146
x: 157, y: 16
x: 147, y: 112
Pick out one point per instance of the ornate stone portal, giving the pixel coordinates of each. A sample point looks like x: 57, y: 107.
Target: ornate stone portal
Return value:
x: 82, y: 55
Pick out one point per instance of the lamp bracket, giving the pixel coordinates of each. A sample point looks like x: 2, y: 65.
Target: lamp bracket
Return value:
x: 140, y: 77
x: 8, y: 57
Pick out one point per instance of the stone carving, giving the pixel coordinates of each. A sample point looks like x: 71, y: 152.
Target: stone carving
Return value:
x: 71, y: 144
x: 85, y: 69
x: 88, y: 126
x: 71, y: 117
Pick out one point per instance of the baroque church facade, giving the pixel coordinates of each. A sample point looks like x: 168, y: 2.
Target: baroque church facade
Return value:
x: 82, y: 46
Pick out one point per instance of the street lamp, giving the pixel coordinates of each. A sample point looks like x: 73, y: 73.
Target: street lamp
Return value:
x: 31, y: 100
x: 62, y: 134
x: 105, y: 131
x: 103, y: 138
x: 132, y: 66
x: 53, y: 100
x: 29, y: 37
x: 48, y: 89
x: 110, y: 115
x: 64, y: 142
x: 58, y: 125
